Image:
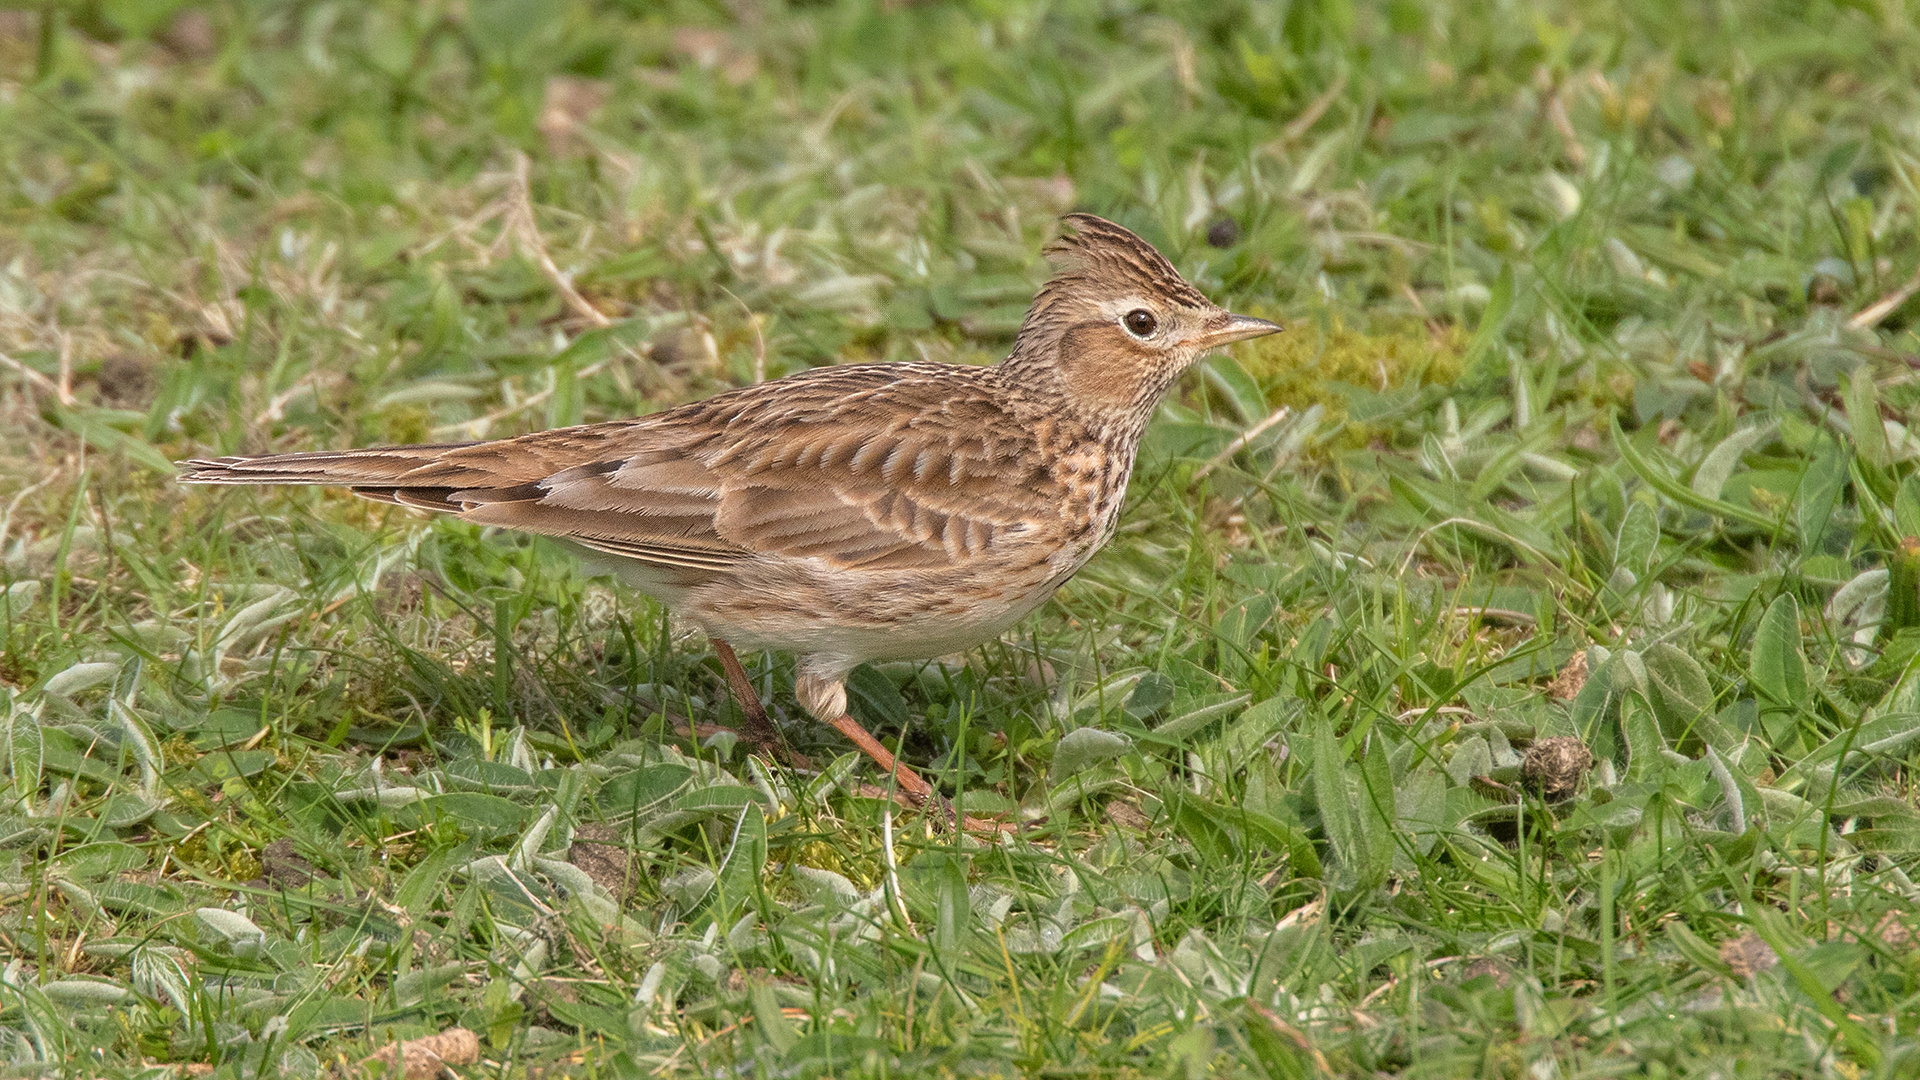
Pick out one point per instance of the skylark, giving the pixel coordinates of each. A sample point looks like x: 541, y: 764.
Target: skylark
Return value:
x: 846, y: 514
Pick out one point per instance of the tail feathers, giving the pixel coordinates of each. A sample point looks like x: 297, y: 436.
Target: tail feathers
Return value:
x: 441, y: 499
x: 387, y: 475
x: 344, y: 467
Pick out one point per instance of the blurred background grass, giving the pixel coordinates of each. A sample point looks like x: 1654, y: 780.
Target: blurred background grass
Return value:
x: 1592, y: 421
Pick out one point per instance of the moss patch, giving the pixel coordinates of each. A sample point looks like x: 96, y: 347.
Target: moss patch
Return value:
x: 1309, y: 364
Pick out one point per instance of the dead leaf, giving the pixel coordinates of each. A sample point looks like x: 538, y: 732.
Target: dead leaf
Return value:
x: 1566, y: 685
x: 422, y: 1059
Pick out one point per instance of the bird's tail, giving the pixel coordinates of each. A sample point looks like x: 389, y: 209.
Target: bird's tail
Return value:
x: 398, y: 474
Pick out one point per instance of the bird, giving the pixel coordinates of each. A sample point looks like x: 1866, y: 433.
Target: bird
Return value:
x: 848, y: 513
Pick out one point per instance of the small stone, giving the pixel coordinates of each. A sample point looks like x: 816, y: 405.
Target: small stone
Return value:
x: 1893, y: 932
x: 1890, y: 932
x: 1553, y: 767
x: 597, y: 851
x: 1488, y: 966
x: 283, y: 867
x: 124, y: 381
x: 1127, y: 816
x: 1747, y: 955
x: 1825, y: 290
x: 684, y: 350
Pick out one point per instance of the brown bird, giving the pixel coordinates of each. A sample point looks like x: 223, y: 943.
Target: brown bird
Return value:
x: 846, y: 514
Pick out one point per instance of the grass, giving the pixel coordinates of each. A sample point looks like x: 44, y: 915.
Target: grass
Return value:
x: 1588, y: 365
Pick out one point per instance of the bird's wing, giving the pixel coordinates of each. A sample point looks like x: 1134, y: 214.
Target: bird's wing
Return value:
x: 893, y: 475
x: 893, y: 466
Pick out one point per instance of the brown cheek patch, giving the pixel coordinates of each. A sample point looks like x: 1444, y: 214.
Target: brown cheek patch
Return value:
x: 1105, y: 365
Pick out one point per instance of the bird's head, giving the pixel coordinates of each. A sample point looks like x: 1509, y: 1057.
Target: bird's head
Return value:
x: 1117, y: 324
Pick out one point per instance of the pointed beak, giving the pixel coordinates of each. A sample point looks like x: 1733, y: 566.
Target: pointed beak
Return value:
x: 1228, y: 329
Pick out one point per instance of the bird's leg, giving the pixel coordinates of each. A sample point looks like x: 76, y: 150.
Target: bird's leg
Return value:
x: 915, y: 785
x: 918, y: 791
x: 911, y: 782
x: 760, y: 733
x: 822, y: 692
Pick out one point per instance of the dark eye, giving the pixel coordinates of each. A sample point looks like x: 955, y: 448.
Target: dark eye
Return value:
x: 1140, y: 322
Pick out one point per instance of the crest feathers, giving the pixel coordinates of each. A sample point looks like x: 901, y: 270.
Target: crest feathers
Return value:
x: 1095, y: 248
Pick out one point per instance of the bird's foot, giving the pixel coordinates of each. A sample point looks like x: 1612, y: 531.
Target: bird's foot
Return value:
x: 910, y: 788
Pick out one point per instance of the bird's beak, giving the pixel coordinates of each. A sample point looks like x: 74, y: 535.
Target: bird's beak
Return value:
x: 1231, y: 328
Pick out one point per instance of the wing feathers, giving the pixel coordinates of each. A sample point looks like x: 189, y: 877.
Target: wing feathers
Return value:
x: 881, y: 467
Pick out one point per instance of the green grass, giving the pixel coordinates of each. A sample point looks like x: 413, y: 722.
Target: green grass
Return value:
x: 1585, y: 360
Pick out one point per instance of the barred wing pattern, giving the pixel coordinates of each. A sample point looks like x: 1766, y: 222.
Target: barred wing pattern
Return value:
x: 849, y: 465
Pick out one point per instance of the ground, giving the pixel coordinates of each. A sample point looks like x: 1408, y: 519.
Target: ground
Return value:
x: 1509, y: 671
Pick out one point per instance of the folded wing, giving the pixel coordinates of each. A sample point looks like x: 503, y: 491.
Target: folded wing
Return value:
x: 859, y: 467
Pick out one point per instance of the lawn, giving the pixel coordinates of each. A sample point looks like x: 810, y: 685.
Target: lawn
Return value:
x: 1590, y: 435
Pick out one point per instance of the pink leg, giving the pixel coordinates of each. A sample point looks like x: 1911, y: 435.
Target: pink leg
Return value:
x: 760, y: 733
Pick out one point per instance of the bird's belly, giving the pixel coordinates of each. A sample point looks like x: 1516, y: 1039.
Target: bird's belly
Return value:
x: 860, y: 616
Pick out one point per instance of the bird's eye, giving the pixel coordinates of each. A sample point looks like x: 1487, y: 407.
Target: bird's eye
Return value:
x: 1140, y: 322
